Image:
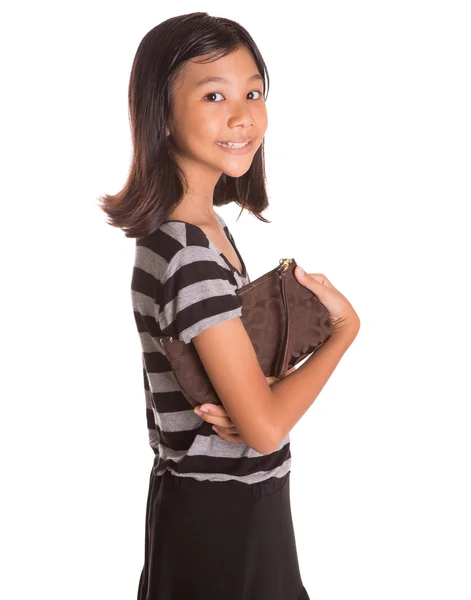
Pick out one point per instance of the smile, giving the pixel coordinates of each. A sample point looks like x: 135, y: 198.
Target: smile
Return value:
x: 236, y: 147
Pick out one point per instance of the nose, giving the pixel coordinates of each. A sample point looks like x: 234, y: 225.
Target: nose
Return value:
x: 241, y: 114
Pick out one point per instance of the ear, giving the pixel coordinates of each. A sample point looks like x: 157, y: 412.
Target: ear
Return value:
x: 168, y: 126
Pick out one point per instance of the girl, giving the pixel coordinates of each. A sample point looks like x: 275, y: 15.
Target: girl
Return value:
x: 218, y: 517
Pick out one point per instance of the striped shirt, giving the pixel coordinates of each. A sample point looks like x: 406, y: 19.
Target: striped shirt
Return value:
x: 181, y: 285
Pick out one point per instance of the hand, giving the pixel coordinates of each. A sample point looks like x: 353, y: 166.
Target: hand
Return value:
x: 222, y: 423
x: 341, y: 311
x: 217, y: 415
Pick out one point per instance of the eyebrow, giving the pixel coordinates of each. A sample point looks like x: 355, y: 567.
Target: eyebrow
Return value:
x: 216, y: 79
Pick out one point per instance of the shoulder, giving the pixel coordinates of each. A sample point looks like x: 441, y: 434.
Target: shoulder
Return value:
x: 173, y: 244
x: 187, y: 252
x: 179, y: 252
x: 170, y: 238
x: 197, y: 290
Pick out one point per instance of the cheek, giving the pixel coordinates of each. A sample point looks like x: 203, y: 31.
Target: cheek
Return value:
x: 202, y: 126
x: 262, y: 119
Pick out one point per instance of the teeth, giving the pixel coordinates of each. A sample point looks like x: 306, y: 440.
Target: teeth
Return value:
x: 233, y: 144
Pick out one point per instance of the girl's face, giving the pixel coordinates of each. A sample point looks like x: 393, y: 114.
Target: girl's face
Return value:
x: 231, y: 108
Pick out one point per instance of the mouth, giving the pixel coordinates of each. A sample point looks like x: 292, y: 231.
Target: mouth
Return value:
x: 241, y: 147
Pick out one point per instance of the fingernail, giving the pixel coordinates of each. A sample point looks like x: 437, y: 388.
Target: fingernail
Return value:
x: 204, y: 409
x: 299, y: 271
x: 197, y: 411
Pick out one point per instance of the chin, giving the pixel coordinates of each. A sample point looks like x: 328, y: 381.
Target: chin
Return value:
x: 236, y: 170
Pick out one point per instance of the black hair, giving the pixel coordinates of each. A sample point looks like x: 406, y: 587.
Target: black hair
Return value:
x: 155, y: 183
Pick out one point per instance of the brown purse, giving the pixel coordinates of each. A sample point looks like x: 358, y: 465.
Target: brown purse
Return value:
x: 285, y: 321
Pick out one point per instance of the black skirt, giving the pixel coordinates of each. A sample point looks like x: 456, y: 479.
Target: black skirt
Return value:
x: 219, y: 541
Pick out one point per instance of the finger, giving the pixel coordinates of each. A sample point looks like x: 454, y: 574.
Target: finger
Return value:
x: 323, y: 280
x: 210, y: 418
x: 216, y: 410
x: 229, y: 430
x: 311, y: 279
x: 232, y: 439
x: 220, y: 421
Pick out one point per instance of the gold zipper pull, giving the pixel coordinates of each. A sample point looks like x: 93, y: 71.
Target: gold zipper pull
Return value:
x: 285, y: 263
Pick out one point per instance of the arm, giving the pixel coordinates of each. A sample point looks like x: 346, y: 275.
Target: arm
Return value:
x: 263, y: 414
x: 322, y: 369
x: 293, y: 395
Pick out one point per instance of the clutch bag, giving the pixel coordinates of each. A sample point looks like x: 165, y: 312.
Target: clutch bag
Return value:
x: 285, y: 321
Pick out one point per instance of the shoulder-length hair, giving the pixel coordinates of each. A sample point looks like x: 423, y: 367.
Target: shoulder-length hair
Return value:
x: 155, y: 183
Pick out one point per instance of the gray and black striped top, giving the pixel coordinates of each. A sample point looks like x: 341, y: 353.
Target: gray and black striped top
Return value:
x: 182, y: 284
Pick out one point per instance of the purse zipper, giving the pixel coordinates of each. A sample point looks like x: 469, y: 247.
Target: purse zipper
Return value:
x: 285, y: 263
x: 284, y: 266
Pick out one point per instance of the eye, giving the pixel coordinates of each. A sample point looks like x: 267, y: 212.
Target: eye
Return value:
x: 217, y: 93
x: 212, y: 94
x: 256, y: 92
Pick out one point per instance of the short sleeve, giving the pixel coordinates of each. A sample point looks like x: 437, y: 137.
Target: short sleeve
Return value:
x: 196, y: 293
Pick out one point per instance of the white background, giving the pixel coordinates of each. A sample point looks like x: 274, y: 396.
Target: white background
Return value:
x: 368, y: 165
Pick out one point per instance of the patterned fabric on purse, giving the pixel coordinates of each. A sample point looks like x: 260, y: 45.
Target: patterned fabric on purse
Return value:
x: 285, y: 321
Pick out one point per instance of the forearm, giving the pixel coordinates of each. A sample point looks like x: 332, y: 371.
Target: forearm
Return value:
x: 293, y: 395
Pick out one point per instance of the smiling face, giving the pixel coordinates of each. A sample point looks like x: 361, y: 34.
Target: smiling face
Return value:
x: 229, y: 109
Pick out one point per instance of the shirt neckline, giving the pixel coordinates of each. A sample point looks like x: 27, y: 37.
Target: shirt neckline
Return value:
x: 229, y: 237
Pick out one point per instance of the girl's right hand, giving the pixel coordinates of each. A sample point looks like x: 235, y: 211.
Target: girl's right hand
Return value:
x: 341, y: 311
